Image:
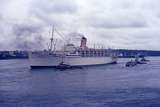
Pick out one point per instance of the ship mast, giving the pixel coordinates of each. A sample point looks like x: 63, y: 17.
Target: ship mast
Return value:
x: 51, y: 44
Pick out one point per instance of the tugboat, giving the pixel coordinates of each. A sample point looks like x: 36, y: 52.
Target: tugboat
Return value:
x: 136, y: 61
x: 63, y: 66
x: 139, y: 61
x: 144, y: 59
x: 131, y: 63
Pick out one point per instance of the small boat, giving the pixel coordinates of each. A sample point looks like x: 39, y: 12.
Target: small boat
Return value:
x: 144, y: 59
x: 131, y: 63
x: 63, y: 66
x: 141, y: 62
x: 138, y: 61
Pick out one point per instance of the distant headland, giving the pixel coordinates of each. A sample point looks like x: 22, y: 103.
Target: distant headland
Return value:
x: 122, y: 53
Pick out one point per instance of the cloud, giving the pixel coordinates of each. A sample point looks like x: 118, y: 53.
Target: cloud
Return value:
x: 25, y: 30
x: 118, y: 24
x: 53, y: 6
x: 27, y: 36
x: 117, y: 21
x: 25, y: 21
x: 34, y: 43
x: 53, y: 12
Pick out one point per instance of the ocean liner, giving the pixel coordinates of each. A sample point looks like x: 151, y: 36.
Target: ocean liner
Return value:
x: 71, y: 56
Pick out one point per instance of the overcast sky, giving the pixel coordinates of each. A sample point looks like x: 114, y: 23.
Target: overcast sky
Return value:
x: 129, y: 24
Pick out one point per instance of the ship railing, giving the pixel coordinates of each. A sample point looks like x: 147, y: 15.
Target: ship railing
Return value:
x: 94, y: 53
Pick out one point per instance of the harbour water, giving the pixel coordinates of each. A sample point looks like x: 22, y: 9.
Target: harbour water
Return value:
x: 101, y: 86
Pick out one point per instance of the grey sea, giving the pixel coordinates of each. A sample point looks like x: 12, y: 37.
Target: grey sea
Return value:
x: 98, y: 86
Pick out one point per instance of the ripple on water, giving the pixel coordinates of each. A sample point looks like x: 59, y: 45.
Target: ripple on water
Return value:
x: 103, y: 86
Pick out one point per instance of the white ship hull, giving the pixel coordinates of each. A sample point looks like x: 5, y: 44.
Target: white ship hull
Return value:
x: 46, y: 60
